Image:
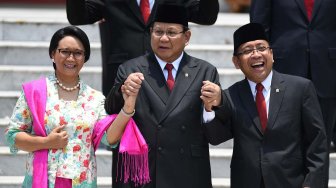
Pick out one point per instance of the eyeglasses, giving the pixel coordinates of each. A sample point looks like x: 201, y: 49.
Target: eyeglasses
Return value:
x: 76, y: 54
x: 170, y: 34
x: 248, y: 52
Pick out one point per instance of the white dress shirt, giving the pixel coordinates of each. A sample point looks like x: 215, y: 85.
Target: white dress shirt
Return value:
x: 151, y: 3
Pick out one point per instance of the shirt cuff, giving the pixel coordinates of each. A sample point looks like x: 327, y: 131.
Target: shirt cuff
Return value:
x: 208, y: 116
x: 105, y: 142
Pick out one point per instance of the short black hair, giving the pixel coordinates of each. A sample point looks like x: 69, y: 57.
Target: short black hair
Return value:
x: 70, y: 31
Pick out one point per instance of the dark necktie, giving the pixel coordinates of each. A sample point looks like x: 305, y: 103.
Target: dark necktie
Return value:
x: 309, y: 4
x: 170, y: 79
x: 261, y: 106
x: 145, y: 9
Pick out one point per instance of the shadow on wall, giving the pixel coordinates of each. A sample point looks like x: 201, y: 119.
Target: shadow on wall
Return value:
x: 235, y: 6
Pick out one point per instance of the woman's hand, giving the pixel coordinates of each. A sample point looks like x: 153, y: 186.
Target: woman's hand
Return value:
x: 130, y: 90
x: 58, y: 138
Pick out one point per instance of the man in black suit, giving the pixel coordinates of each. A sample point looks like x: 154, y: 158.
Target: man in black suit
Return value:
x: 124, y: 33
x: 303, y: 39
x: 278, y: 131
x: 169, y: 115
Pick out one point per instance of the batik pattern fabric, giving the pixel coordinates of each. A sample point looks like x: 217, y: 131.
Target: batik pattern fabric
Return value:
x: 77, y: 160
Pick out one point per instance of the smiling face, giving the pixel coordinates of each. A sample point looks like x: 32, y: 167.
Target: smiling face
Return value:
x: 255, y: 65
x: 169, y: 48
x: 69, y: 65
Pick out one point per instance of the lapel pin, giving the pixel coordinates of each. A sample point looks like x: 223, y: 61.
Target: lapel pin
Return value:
x: 277, y: 90
x: 186, y: 75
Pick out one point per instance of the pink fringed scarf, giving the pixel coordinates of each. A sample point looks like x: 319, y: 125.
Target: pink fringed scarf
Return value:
x: 100, y: 128
x: 36, y: 97
x: 134, y: 151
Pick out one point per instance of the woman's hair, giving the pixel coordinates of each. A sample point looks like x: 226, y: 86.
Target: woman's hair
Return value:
x: 70, y: 31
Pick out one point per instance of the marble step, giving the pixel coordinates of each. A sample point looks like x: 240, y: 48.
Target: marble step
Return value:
x: 13, y: 76
x: 4, y: 123
x: 36, y: 53
x: 20, y: 23
x: 103, y: 182
x: 42, y: 31
x: 16, y: 181
x: 13, y: 79
x: 219, y: 158
x: 14, y: 165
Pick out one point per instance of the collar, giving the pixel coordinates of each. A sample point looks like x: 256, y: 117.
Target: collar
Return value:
x: 266, y: 83
x: 175, y: 63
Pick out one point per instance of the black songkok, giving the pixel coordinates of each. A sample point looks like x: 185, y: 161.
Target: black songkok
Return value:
x: 172, y: 13
x: 247, y: 33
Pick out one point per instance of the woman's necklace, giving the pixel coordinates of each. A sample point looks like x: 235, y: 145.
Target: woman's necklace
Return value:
x: 67, y: 88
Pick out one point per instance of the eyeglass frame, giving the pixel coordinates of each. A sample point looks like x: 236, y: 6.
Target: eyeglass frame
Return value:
x: 167, y: 32
x: 251, y: 51
x: 82, y: 53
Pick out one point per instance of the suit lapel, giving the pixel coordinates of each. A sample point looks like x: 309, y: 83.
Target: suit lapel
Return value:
x: 186, y: 74
x: 317, y: 6
x: 249, y: 103
x: 135, y: 9
x: 276, y: 97
x: 302, y: 7
x: 151, y: 16
x: 154, y: 77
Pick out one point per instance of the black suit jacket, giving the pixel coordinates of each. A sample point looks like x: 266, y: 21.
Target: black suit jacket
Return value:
x: 292, y: 151
x: 171, y: 123
x: 124, y: 35
x: 301, y: 47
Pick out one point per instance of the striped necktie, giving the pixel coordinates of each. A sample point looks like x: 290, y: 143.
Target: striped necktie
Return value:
x: 170, y: 79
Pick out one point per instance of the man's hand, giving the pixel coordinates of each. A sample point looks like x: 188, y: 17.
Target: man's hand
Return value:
x: 132, y: 84
x: 210, y: 95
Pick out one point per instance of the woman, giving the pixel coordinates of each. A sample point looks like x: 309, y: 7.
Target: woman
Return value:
x: 73, y: 119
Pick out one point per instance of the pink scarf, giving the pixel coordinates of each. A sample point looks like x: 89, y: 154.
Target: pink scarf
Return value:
x: 134, y: 151
x: 36, y: 97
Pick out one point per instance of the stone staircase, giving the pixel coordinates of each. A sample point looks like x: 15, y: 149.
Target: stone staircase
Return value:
x: 24, y: 39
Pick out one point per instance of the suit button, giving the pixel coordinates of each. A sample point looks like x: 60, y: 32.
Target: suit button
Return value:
x: 159, y: 149
x: 183, y: 128
x: 159, y: 127
x: 181, y: 150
